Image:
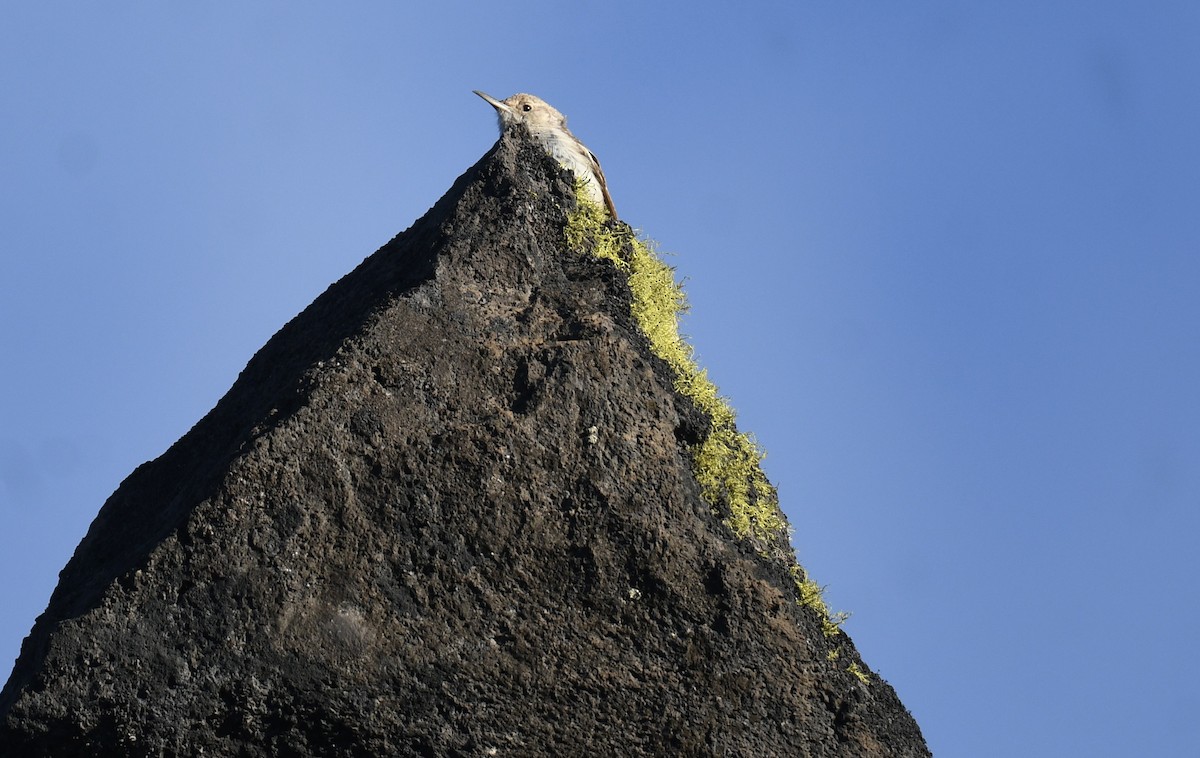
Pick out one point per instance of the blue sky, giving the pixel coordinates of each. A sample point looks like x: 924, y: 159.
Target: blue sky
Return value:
x: 943, y: 258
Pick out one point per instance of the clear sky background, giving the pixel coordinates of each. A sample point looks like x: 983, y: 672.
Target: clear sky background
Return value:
x: 944, y: 258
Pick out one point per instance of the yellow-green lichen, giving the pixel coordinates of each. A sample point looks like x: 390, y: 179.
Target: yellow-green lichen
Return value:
x: 726, y: 462
x: 812, y: 595
x: 854, y: 668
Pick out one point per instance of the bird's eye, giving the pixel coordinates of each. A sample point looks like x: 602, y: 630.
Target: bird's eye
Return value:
x: 527, y: 107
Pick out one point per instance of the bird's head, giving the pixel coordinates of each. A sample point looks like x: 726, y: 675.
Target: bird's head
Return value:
x: 532, y: 111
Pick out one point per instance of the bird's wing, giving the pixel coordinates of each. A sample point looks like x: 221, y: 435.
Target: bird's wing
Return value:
x: 599, y: 172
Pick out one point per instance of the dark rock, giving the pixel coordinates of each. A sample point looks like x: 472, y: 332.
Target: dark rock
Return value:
x: 446, y: 510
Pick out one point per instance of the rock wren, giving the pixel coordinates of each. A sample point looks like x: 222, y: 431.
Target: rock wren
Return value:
x: 549, y: 127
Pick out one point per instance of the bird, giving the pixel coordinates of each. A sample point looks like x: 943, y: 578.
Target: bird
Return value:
x: 549, y: 128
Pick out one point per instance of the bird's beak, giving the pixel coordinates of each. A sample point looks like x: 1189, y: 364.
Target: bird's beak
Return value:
x: 499, y: 106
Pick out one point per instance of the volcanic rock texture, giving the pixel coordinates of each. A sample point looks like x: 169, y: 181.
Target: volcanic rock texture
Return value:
x: 448, y: 510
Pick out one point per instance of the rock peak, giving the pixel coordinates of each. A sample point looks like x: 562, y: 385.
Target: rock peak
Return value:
x: 447, y: 510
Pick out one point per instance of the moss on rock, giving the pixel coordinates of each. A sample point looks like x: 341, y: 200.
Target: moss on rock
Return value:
x: 726, y: 462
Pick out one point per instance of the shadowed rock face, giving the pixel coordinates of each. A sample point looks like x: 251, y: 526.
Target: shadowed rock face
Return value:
x: 447, y: 510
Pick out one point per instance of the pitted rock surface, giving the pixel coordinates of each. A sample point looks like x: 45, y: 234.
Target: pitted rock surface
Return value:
x: 448, y: 510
